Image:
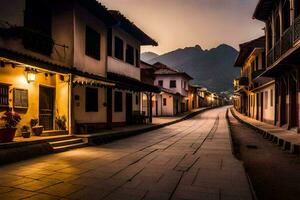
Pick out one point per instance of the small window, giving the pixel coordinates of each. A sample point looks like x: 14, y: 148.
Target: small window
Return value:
x: 118, y: 101
x: 91, y: 99
x: 137, y: 99
x: 92, y: 43
x: 161, y: 83
x: 3, y: 95
x: 130, y: 54
x: 271, y: 98
x: 172, y: 84
x: 119, y: 48
x: 164, y: 101
x: 137, y: 58
x: 20, y: 98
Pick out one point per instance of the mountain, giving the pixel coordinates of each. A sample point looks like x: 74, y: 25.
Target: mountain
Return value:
x: 212, y: 68
x: 146, y: 56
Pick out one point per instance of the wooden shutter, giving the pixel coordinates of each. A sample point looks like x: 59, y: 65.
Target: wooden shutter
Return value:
x: 4, y: 90
x: 20, y: 98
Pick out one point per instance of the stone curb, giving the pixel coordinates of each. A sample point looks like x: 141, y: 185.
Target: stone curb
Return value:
x: 285, y: 145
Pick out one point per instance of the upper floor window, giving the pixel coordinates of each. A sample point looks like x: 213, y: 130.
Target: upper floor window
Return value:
x: 172, y: 84
x: 137, y: 58
x: 184, y: 84
x: 4, y: 95
x: 119, y: 48
x: 161, y: 83
x: 91, y: 99
x: 129, y: 54
x: 92, y: 43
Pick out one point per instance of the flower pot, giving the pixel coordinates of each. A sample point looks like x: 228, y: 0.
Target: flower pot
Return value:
x: 37, y: 130
x: 26, y: 134
x: 7, y: 134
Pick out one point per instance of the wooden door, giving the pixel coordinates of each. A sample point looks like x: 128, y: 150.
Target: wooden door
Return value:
x: 46, y: 104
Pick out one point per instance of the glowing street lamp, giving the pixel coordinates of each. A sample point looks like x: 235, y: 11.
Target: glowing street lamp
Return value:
x: 31, y: 75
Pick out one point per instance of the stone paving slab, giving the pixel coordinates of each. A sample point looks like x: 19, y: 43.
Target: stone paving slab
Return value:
x: 188, y: 160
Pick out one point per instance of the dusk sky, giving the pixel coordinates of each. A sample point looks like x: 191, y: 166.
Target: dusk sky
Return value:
x: 181, y: 23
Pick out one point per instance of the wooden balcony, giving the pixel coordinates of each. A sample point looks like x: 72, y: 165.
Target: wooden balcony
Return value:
x: 285, y: 43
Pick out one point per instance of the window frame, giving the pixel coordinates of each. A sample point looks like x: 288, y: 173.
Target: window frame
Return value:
x: 162, y: 83
x: 171, y: 85
x: 118, y: 101
x: 5, y: 103
x: 121, y: 47
x: 92, y: 43
x: 129, y: 54
x: 164, y: 101
x: 91, y: 99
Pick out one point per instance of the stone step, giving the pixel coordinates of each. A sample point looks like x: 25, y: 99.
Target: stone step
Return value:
x: 65, y: 142
x: 69, y: 147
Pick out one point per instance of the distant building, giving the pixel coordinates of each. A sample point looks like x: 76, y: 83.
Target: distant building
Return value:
x: 174, y: 96
x: 254, y: 95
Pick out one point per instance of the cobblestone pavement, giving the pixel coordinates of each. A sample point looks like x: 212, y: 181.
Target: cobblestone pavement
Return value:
x: 185, y: 161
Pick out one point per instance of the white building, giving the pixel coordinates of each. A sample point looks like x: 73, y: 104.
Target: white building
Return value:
x: 174, y: 96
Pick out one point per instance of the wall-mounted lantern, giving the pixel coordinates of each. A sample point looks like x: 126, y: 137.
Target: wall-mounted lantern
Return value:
x: 31, y: 75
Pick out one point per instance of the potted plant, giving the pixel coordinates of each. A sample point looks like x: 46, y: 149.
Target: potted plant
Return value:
x: 11, y: 120
x: 25, y: 132
x: 36, y: 129
x: 61, y: 122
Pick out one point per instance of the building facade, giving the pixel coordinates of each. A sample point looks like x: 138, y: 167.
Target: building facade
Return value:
x: 174, y: 96
x: 281, y: 20
x: 76, y: 62
x: 254, y: 95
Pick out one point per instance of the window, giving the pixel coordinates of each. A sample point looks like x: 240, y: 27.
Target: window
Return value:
x: 297, y: 8
x: 92, y: 43
x: 161, y: 83
x: 20, y: 98
x: 3, y: 95
x: 164, y: 101
x: 172, y: 84
x: 118, y: 101
x: 271, y: 98
x: 137, y: 99
x: 91, y: 99
x: 119, y: 48
x: 137, y: 58
x: 130, y: 54
x: 266, y: 99
x: 184, y: 84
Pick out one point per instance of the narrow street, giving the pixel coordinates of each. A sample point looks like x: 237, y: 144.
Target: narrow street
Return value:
x: 273, y: 172
x: 188, y: 160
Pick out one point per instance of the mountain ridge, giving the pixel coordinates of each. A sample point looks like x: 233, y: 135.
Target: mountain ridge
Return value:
x: 203, y: 65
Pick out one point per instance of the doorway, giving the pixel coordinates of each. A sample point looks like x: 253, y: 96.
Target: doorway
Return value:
x: 46, y: 107
x: 262, y: 106
x: 128, y: 108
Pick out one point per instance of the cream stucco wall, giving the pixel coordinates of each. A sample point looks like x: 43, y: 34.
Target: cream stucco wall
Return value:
x: 16, y: 78
x: 120, y: 66
x: 83, y: 62
x: 80, y: 115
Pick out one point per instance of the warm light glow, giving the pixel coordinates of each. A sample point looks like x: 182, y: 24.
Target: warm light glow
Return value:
x: 31, y: 76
